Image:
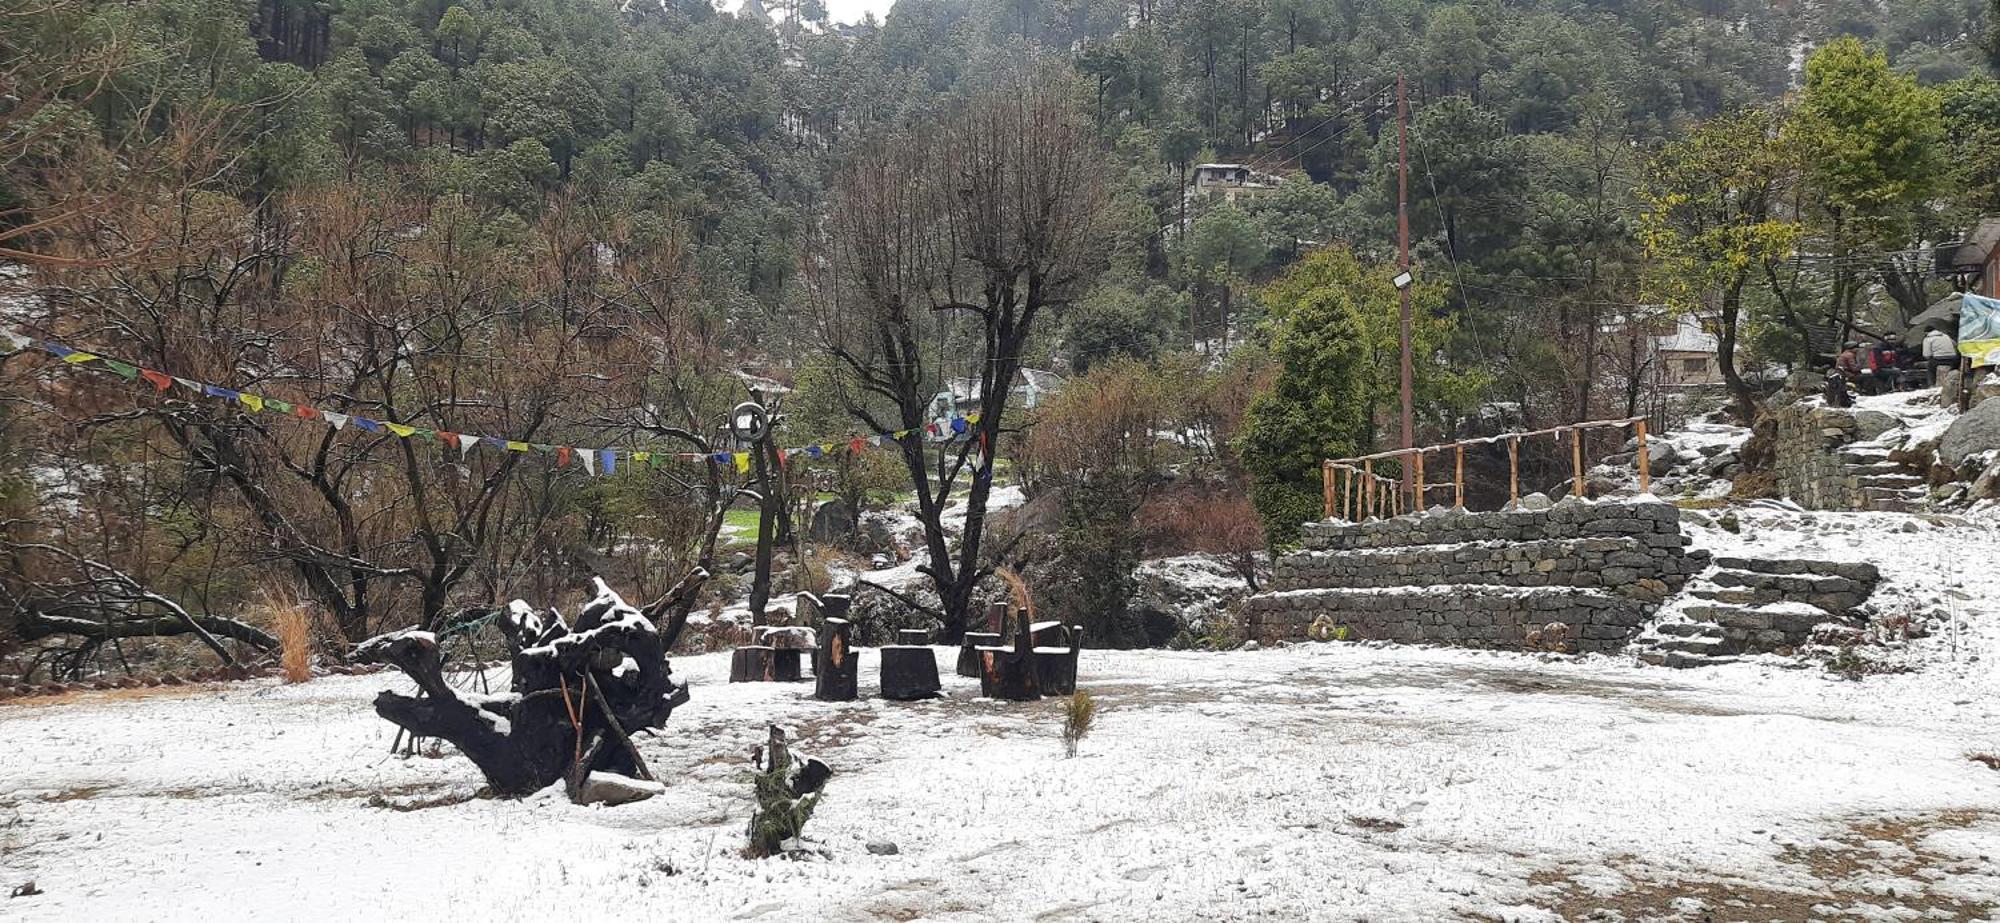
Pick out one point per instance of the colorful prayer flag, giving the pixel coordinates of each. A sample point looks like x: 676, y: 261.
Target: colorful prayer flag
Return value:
x: 742, y: 463
x: 161, y: 381
x: 372, y: 426
x: 515, y: 445
x: 401, y: 430
x: 336, y: 420
x: 608, y: 460
x: 57, y: 349
x: 252, y: 401
x: 123, y: 370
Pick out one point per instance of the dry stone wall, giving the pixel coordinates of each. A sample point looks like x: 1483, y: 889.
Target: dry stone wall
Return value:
x: 1482, y: 579
x: 1806, y: 456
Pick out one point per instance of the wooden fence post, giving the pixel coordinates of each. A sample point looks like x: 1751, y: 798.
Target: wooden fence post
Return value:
x: 1326, y: 489
x: 1368, y: 485
x: 1417, y: 498
x: 1645, y: 460
x: 1576, y: 461
x: 1514, y: 472
x: 1458, y: 479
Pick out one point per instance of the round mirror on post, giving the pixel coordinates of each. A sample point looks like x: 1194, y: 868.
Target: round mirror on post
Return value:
x: 749, y: 422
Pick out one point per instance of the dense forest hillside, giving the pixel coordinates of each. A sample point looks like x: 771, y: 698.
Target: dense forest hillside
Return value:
x: 575, y: 222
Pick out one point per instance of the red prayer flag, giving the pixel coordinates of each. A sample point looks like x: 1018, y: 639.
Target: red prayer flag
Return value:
x: 160, y: 381
x: 562, y: 456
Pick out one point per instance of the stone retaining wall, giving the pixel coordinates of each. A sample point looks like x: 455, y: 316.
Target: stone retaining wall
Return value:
x: 1484, y: 579
x: 1806, y: 458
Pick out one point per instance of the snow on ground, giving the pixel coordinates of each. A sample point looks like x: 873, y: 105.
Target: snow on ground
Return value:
x: 1336, y: 782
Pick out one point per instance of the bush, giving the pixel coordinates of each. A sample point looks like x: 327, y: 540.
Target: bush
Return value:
x: 1078, y: 716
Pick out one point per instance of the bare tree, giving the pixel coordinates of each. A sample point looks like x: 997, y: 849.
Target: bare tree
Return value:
x: 989, y: 213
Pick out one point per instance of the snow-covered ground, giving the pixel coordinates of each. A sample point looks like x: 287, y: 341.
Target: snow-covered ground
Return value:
x: 1315, y: 782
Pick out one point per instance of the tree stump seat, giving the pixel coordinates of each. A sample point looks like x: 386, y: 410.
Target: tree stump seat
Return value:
x: 969, y: 649
x: 1055, y: 666
x: 909, y: 668
x: 761, y: 663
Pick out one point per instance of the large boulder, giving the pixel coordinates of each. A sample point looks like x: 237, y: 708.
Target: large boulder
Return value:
x: 1976, y: 432
x: 1041, y: 514
x: 832, y: 524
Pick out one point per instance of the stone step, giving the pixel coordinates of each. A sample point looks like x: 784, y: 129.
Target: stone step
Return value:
x: 1689, y: 629
x: 1707, y: 647
x: 1893, y: 481
x: 1681, y: 661
x: 1852, y: 570
x: 1895, y: 505
x: 1852, y: 456
x: 1876, y: 467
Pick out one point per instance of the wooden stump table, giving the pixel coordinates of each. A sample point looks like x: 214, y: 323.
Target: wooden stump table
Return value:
x: 909, y: 668
x: 1009, y: 673
x: 1055, y: 660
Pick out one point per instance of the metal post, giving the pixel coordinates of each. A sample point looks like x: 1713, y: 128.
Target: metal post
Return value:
x: 1403, y: 246
x: 1645, y: 460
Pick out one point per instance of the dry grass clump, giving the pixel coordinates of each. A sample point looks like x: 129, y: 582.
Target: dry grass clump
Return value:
x: 292, y: 624
x: 1078, y: 716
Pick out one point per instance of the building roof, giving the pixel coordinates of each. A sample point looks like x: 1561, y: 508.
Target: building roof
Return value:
x: 1971, y: 253
x: 1688, y: 337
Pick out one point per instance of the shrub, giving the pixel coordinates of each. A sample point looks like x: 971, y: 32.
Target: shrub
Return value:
x: 1078, y: 716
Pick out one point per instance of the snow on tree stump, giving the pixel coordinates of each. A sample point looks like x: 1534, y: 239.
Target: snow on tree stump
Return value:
x: 1055, y: 666
x: 836, y: 667
x: 578, y: 693
x: 968, y: 651
x: 1009, y: 673
x: 909, y: 668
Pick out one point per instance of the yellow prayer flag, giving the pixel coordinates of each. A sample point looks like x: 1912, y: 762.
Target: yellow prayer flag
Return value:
x: 514, y: 446
x: 401, y: 430
x: 742, y: 463
x: 78, y: 358
x: 252, y: 401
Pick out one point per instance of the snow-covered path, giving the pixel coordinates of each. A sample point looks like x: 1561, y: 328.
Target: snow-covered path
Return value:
x: 1317, y: 782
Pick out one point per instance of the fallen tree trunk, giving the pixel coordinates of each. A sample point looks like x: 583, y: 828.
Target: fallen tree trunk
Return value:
x: 35, y: 625
x: 539, y: 733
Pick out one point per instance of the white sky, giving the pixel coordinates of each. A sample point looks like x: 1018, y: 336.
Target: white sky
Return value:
x: 852, y: 10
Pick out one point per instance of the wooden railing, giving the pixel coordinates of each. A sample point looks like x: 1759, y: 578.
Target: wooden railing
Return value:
x: 1353, y: 490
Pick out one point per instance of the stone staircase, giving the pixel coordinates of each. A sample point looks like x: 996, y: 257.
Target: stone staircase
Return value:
x: 1885, y: 486
x: 1757, y: 605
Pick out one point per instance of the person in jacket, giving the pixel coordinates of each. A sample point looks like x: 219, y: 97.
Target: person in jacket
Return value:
x: 1940, y: 353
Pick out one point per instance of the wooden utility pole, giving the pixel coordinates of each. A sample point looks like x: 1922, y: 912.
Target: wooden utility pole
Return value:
x: 1403, y: 245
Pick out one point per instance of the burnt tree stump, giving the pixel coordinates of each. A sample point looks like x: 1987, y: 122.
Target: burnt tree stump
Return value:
x: 836, y: 667
x: 1055, y: 661
x: 909, y: 668
x: 1009, y: 673
x: 762, y: 663
x: 576, y: 691
x: 969, y: 651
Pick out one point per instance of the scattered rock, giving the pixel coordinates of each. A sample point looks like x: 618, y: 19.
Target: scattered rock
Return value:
x: 832, y: 524
x: 1536, y: 501
x: 611, y: 789
x: 1248, y: 646
x: 26, y: 890
x: 882, y: 848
